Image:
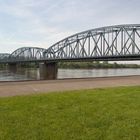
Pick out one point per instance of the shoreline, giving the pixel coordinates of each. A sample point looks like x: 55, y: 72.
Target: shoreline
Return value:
x: 8, y: 89
x: 61, y: 79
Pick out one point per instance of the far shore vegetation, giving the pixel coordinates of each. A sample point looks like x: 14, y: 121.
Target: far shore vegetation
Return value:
x: 95, y: 64
x: 80, y: 65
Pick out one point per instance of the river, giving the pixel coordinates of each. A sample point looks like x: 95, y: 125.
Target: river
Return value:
x: 33, y: 74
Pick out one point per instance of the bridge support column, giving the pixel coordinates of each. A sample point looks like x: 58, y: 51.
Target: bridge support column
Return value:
x: 48, y: 70
x: 12, y: 67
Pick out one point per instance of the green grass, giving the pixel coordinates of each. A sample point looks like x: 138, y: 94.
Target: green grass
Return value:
x: 100, y: 114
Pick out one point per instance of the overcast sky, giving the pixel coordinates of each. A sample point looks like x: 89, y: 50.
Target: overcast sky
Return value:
x: 44, y: 22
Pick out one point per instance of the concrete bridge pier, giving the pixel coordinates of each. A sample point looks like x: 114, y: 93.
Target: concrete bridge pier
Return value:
x: 12, y: 67
x: 48, y: 70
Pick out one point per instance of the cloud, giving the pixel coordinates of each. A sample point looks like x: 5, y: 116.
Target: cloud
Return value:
x: 44, y: 22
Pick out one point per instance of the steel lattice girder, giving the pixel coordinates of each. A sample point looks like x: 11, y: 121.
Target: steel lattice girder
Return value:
x: 119, y: 41
x: 28, y: 52
x: 106, y: 41
x: 4, y: 55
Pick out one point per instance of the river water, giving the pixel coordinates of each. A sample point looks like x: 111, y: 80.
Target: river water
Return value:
x: 33, y: 74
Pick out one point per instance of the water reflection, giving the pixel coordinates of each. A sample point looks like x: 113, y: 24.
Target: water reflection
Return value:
x: 81, y: 73
x: 33, y: 74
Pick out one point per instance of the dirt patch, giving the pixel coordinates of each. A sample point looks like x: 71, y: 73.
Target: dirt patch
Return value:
x: 30, y: 87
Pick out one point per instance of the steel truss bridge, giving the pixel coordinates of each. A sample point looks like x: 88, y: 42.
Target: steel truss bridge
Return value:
x: 112, y: 43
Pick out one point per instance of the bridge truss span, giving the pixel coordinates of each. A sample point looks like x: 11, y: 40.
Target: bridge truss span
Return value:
x: 4, y: 55
x: 120, y: 41
x: 27, y: 53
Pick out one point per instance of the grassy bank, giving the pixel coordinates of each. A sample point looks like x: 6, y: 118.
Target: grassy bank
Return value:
x: 101, y: 114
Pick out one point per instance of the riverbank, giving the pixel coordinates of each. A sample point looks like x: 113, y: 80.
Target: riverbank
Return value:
x: 36, y: 87
x: 95, y: 65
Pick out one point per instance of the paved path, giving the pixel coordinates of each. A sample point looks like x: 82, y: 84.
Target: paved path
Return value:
x: 30, y: 87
